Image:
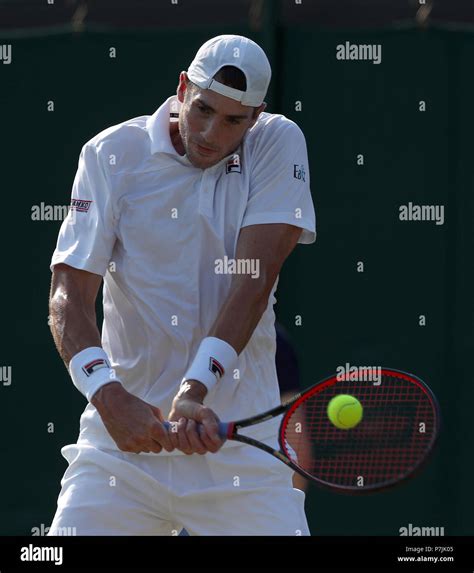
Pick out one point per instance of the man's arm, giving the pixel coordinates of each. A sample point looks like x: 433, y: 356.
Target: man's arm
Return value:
x: 72, y: 310
x: 133, y: 424
x: 270, y: 244
x: 248, y: 298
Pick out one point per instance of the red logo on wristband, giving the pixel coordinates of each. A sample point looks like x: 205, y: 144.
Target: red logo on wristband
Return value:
x: 96, y: 364
x: 216, y: 367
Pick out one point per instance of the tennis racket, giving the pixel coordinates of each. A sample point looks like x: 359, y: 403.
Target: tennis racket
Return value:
x: 392, y: 442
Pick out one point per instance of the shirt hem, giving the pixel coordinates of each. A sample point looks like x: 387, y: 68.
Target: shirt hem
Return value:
x: 309, y: 232
x: 77, y: 263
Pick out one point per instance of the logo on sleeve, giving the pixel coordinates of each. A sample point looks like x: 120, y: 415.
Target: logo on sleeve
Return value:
x: 95, y: 365
x: 216, y: 368
x: 80, y: 205
x: 299, y: 172
x: 233, y: 164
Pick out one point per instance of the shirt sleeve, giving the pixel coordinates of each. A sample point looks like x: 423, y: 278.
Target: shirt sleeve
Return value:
x: 87, y: 235
x: 279, y: 183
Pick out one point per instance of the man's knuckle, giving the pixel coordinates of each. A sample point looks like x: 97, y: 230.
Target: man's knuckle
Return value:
x: 127, y: 445
x: 157, y: 430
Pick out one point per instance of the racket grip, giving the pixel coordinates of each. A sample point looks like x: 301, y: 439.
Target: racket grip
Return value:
x: 223, y: 428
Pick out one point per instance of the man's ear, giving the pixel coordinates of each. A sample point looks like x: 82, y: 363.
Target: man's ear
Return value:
x: 182, y: 86
x: 257, y: 112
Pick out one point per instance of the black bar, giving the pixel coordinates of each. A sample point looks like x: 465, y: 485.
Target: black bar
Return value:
x: 292, y: 553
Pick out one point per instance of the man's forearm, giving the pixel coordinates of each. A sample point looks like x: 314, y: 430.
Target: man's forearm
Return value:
x: 72, y: 329
x: 241, y: 312
x: 270, y: 245
x: 237, y: 319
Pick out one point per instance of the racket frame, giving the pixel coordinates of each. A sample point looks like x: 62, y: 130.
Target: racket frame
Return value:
x: 232, y: 429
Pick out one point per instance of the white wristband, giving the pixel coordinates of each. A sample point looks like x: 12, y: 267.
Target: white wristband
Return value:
x: 213, y: 359
x: 90, y: 369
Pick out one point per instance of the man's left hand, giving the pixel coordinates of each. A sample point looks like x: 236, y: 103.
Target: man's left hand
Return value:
x: 188, y: 411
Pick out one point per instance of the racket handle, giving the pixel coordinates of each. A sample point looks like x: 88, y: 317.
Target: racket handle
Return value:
x: 223, y: 428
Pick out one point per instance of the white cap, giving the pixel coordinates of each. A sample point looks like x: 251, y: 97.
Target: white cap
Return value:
x: 238, y: 51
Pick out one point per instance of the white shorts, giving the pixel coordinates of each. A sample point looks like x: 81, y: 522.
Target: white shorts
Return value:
x: 237, y: 491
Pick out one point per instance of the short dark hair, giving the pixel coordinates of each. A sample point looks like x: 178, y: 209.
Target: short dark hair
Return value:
x: 230, y: 76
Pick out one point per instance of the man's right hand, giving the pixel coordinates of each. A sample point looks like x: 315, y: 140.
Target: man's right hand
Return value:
x: 134, y: 425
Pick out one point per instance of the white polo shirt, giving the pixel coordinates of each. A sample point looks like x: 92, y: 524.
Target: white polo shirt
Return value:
x: 153, y: 226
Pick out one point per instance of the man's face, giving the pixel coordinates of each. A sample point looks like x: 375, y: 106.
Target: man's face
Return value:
x: 211, y: 125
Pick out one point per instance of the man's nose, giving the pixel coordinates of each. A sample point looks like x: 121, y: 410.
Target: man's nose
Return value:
x: 210, y: 133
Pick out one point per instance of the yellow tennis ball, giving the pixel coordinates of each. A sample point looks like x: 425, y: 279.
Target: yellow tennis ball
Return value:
x: 345, y: 411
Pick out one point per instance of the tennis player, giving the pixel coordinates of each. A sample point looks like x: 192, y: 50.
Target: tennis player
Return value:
x: 188, y: 216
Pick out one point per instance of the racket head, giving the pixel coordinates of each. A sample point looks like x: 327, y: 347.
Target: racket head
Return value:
x: 385, y: 448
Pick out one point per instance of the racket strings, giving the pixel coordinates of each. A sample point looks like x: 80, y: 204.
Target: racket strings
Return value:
x: 396, y: 432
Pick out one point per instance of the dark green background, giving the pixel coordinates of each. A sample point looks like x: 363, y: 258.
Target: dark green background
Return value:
x: 370, y: 318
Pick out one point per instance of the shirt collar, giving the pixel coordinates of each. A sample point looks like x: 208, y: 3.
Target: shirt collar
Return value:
x: 158, y: 127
